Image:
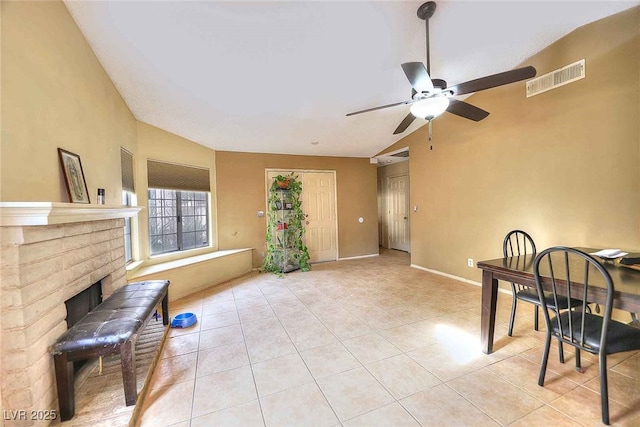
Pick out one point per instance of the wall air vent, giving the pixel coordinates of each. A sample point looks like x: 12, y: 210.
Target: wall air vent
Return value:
x: 557, y: 78
x: 401, y: 154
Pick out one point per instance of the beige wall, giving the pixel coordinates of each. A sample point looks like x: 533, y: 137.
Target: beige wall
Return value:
x: 241, y: 194
x: 56, y: 94
x: 156, y: 144
x: 563, y: 165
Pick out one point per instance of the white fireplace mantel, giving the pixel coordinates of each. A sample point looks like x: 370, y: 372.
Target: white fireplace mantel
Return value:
x: 51, y: 213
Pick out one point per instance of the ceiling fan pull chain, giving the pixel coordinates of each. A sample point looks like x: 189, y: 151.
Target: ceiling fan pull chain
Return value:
x: 430, y: 129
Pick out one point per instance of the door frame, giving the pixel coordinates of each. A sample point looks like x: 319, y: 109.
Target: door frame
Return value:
x: 281, y: 171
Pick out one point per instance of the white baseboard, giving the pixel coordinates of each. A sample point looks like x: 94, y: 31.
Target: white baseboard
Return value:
x: 462, y: 279
x: 358, y: 257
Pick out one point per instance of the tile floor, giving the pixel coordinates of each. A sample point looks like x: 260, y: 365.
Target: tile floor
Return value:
x: 369, y: 342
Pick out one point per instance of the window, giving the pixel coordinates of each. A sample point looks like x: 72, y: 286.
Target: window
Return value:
x: 178, y: 206
x: 126, y: 201
x: 178, y: 220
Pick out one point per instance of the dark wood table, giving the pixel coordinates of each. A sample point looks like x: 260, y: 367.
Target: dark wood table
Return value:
x: 519, y: 269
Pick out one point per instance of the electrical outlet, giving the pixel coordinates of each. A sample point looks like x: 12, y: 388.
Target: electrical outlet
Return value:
x: 469, y: 262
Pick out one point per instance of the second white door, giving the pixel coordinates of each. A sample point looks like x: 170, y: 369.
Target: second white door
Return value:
x: 399, y: 233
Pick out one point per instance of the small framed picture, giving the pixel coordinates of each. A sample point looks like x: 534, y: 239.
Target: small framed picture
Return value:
x: 74, y: 177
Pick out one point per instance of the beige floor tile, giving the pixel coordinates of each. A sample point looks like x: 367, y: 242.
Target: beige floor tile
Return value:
x: 221, y: 358
x: 223, y: 390
x: 175, y: 369
x: 407, y: 337
x: 354, y: 393
x: 629, y: 367
x: 329, y: 360
x: 246, y: 290
x: 544, y: 416
x: 281, y: 373
x: 300, y: 406
x: 253, y: 302
x: 168, y: 405
x: 260, y: 328
x: 244, y: 415
x: 218, y: 337
x: 269, y: 346
x: 217, y: 307
x: 256, y: 313
x: 568, y: 368
x: 481, y: 387
x: 584, y: 405
x: 217, y: 294
x: 391, y: 415
x: 441, y: 406
x: 370, y: 348
x: 446, y: 364
x: 308, y: 332
x: 524, y: 374
x: 219, y: 320
x: 180, y: 344
x: 622, y: 389
x: 402, y: 376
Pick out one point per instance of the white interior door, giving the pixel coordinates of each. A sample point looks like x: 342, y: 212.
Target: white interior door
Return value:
x: 319, y: 206
x: 399, y: 233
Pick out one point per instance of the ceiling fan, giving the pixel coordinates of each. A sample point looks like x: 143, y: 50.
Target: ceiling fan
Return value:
x: 431, y: 97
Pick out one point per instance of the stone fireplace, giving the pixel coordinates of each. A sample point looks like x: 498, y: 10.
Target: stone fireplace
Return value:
x: 50, y: 252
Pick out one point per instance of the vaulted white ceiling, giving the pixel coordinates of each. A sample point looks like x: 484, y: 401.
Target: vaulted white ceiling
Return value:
x: 274, y: 77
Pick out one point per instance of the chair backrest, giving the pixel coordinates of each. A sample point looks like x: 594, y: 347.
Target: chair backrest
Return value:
x: 571, y: 273
x: 518, y: 242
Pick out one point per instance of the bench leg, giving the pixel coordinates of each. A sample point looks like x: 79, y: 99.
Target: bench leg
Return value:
x: 128, y: 362
x: 165, y: 309
x: 64, y: 383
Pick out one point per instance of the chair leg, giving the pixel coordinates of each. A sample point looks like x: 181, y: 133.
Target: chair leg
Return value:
x: 513, y: 315
x: 560, y: 351
x: 604, y: 389
x: 545, y: 359
x: 578, y: 362
x: 536, y: 316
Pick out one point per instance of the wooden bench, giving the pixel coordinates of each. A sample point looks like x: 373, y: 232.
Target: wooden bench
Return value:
x: 111, y: 328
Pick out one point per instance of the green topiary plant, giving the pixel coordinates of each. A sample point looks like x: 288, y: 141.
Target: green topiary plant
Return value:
x: 287, y: 247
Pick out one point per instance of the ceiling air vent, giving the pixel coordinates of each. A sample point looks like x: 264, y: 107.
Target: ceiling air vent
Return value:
x: 557, y: 78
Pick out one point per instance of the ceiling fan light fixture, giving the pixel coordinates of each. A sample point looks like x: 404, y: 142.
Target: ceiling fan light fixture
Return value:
x: 430, y: 108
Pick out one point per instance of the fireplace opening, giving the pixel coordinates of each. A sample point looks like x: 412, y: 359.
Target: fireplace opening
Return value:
x: 79, y: 305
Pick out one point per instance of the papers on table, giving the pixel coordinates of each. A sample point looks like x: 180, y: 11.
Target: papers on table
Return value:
x: 609, y: 253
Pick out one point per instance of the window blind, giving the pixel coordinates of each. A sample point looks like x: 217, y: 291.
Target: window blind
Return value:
x: 126, y: 166
x: 172, y: 176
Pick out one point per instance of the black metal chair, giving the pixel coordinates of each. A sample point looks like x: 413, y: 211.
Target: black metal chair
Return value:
x: 518, y: 242
x: 574, y: 273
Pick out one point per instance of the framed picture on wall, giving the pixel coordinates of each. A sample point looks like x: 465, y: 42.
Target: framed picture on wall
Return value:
x: 74, y: 177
